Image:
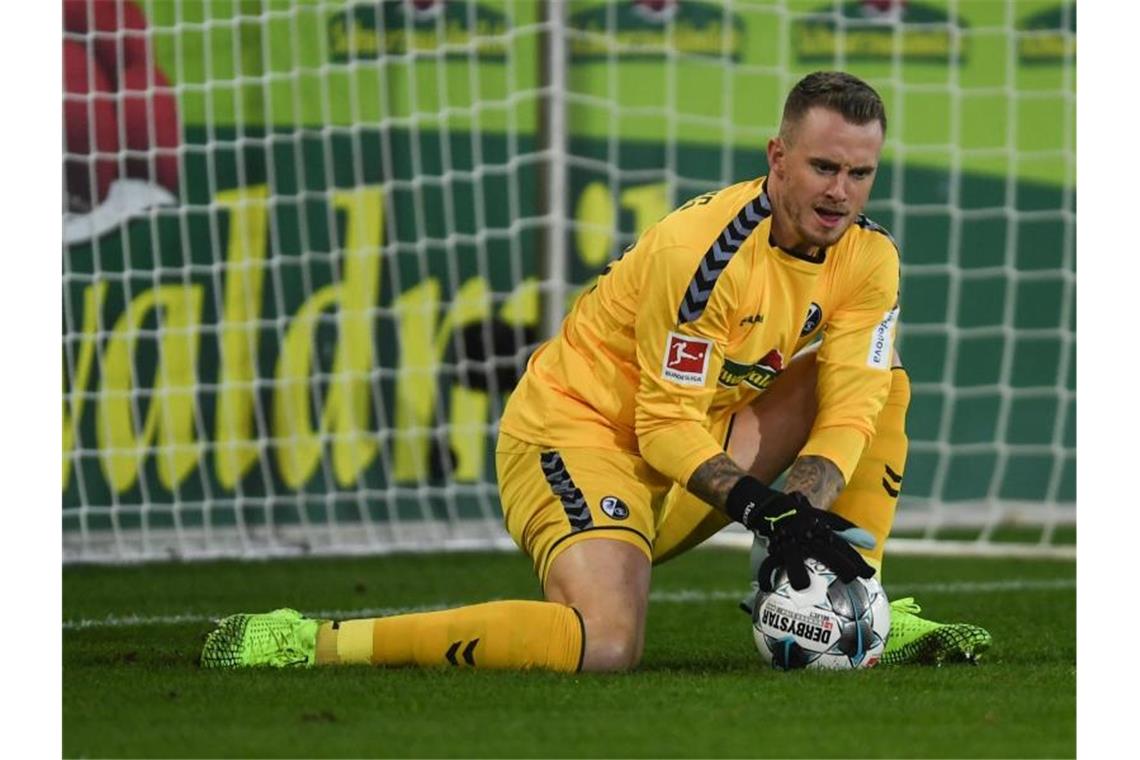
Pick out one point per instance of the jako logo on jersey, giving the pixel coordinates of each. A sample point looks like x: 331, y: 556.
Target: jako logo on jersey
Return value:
x: 759, y: 375
x: 755, y: 319
x: 879, y: 354
x: 686, y: 359
x: 814, y: 316
x: 615, y: 508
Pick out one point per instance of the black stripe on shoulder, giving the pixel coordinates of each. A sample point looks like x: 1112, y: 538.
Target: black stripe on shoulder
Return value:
x: 870, y: 224
x: 727, y: 243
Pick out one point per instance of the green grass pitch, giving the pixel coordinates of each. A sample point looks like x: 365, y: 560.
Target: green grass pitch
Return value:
x: 131, y: 686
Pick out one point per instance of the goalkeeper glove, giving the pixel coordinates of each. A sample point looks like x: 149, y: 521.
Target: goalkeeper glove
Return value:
x: 795, y: 531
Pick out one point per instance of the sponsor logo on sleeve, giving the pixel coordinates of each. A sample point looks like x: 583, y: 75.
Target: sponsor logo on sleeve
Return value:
x: 686, y: 359
x: 879, y: 355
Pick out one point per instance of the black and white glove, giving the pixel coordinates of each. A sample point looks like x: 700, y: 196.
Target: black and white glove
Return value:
x: 795, y: 531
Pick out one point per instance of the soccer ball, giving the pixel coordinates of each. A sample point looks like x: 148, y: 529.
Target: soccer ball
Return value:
x: 830, y: 625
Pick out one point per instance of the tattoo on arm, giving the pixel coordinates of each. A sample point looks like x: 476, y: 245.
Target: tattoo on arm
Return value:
x: 816, y: 478
x: 714, y: 479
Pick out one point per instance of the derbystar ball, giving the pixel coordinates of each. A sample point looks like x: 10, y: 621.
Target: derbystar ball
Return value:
x: 830, y: 625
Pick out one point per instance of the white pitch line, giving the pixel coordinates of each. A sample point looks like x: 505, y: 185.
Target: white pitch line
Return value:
x: 679, y: 596
x: 117, y: 621
x: 982, y: 587
x: 896, y: 591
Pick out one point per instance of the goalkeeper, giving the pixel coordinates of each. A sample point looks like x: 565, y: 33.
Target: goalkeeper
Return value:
x: 667, y: 405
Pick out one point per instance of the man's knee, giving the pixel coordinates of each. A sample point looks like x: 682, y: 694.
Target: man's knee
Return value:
x: 607, y: 581
x: 611, y: 645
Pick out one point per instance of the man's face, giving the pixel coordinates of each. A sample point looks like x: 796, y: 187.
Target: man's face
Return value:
x: 823, y: 177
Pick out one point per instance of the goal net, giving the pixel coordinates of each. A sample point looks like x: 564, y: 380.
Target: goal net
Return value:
x: 309, y: 245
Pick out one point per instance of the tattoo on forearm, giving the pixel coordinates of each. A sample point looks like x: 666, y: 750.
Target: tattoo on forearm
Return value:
x: 714, y: 479
x: 816, y: 478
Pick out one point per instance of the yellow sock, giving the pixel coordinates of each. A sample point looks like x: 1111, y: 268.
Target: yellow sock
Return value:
x: 506, y: 635
x: 871, y: 497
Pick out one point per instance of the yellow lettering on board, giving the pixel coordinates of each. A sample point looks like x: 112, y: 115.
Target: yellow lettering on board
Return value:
x: 594, y: 217
x: 93, y: 297
x: 467, y: 432
x: 347, y: 413
x: 521, y: 308
x: 649, y: 203
x: 422, y: 345
x: 170, y: 414
x: 470, y: 407
x: 235, y: 447
x: 594, y: 228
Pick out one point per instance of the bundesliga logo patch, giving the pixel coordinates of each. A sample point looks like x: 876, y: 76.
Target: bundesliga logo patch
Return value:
x: 686, y: 359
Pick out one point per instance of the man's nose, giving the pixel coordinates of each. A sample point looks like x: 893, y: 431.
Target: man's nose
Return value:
x: 837, y: 189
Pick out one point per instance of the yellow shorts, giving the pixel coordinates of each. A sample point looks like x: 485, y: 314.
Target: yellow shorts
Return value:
x: 553, y: 498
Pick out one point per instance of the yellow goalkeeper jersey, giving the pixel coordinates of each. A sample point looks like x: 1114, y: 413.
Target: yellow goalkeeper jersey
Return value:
x: 699, y: 317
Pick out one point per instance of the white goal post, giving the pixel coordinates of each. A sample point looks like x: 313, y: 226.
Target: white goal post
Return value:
x: 309, y: 244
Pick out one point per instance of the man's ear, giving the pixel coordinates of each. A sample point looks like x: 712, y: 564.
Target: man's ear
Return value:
x: 776, y: 152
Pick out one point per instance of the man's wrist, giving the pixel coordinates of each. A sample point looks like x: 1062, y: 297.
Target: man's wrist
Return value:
x: 747, y: 501
x: 817, y: 478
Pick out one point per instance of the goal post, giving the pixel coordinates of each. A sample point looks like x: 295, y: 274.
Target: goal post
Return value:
x: 309, y: 245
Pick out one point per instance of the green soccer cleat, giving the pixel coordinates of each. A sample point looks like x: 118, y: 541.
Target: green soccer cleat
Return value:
x: 279, y: 639
x: 913, y: 640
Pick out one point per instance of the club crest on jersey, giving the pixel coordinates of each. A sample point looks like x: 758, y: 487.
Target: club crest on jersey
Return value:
x: 814, y: 317
x: 686, y: 359
x: 759, y: 374
x: 615, y: 508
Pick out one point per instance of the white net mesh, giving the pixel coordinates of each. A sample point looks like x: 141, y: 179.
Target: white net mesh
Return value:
x: 309, y: 245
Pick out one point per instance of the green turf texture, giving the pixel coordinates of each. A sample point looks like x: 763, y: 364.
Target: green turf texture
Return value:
x: 133, y: 689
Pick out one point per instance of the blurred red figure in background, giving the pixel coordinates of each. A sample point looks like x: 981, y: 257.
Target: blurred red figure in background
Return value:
x: 116, y: 98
